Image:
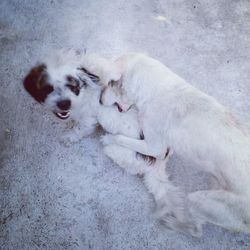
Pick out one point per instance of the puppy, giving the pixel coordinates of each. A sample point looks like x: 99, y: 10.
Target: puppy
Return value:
x: 69, y: 85
x: 172, y: 113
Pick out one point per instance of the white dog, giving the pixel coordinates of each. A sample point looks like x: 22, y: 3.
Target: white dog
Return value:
x: 174, y: 114
x: 68, y: 85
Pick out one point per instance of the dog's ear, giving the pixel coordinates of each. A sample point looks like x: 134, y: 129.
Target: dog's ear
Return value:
x: 36, y: 83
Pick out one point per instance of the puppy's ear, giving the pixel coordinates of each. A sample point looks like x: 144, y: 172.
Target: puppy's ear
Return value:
x: 36, y: 83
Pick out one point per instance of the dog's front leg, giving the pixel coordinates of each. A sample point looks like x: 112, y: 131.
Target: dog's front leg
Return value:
x: 75, y: 134
x: 140, y: 146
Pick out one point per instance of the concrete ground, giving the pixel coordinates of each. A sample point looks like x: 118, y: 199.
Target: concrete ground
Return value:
x: 53, y: 197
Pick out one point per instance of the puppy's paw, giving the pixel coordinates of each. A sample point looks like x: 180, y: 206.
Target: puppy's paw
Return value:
x: 68, y: 139
x: 108, y: 139
x: 195, y: 229
x: 170, y: 222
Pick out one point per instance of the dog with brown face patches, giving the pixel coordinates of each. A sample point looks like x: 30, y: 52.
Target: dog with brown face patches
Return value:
x: 70, y: 84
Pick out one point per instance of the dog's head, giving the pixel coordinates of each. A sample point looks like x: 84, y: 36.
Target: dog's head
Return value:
x: 59, y: 83
x: 115, y: 95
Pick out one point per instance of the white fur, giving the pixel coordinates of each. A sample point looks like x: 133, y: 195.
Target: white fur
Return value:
x: 172, y: 113
x: 88, y: 112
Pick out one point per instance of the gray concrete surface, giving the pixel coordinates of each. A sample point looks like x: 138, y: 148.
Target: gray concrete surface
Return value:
x: 54, y: 197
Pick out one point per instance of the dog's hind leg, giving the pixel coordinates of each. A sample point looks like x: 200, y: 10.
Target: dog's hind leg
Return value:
x: 169, y: 199
x: 170, y: 203
x: 221, y: 208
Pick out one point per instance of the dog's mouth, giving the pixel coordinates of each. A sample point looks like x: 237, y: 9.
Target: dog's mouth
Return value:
x: 63, y: 115
x: 118, y: 107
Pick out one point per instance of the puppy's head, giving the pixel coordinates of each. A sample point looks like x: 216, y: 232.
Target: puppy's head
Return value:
x: 114, y: 95
x: 59, y: 83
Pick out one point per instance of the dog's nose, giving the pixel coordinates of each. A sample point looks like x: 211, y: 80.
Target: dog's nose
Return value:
x: 64, y: 104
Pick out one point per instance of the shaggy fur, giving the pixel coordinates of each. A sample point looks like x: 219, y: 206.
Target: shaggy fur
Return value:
x: 172, y: 113
x: 68, y: 84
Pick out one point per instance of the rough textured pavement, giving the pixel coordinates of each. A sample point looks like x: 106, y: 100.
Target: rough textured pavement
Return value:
x: 53, y: 197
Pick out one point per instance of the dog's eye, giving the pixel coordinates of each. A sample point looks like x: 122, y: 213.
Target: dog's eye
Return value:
x: 73, y: 84
x: 74, y: 88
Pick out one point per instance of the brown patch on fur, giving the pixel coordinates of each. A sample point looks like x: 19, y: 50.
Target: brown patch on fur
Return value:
x: 36, y: 83
x: 74, y: 84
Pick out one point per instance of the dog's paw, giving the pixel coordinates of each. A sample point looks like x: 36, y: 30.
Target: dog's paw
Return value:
x: 170, y: 222
x: 195, y: 230
x: 108, y: 139
x: 68, y: 139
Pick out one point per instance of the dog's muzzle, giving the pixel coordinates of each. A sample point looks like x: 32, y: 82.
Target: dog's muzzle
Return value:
x: 64, y: 106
